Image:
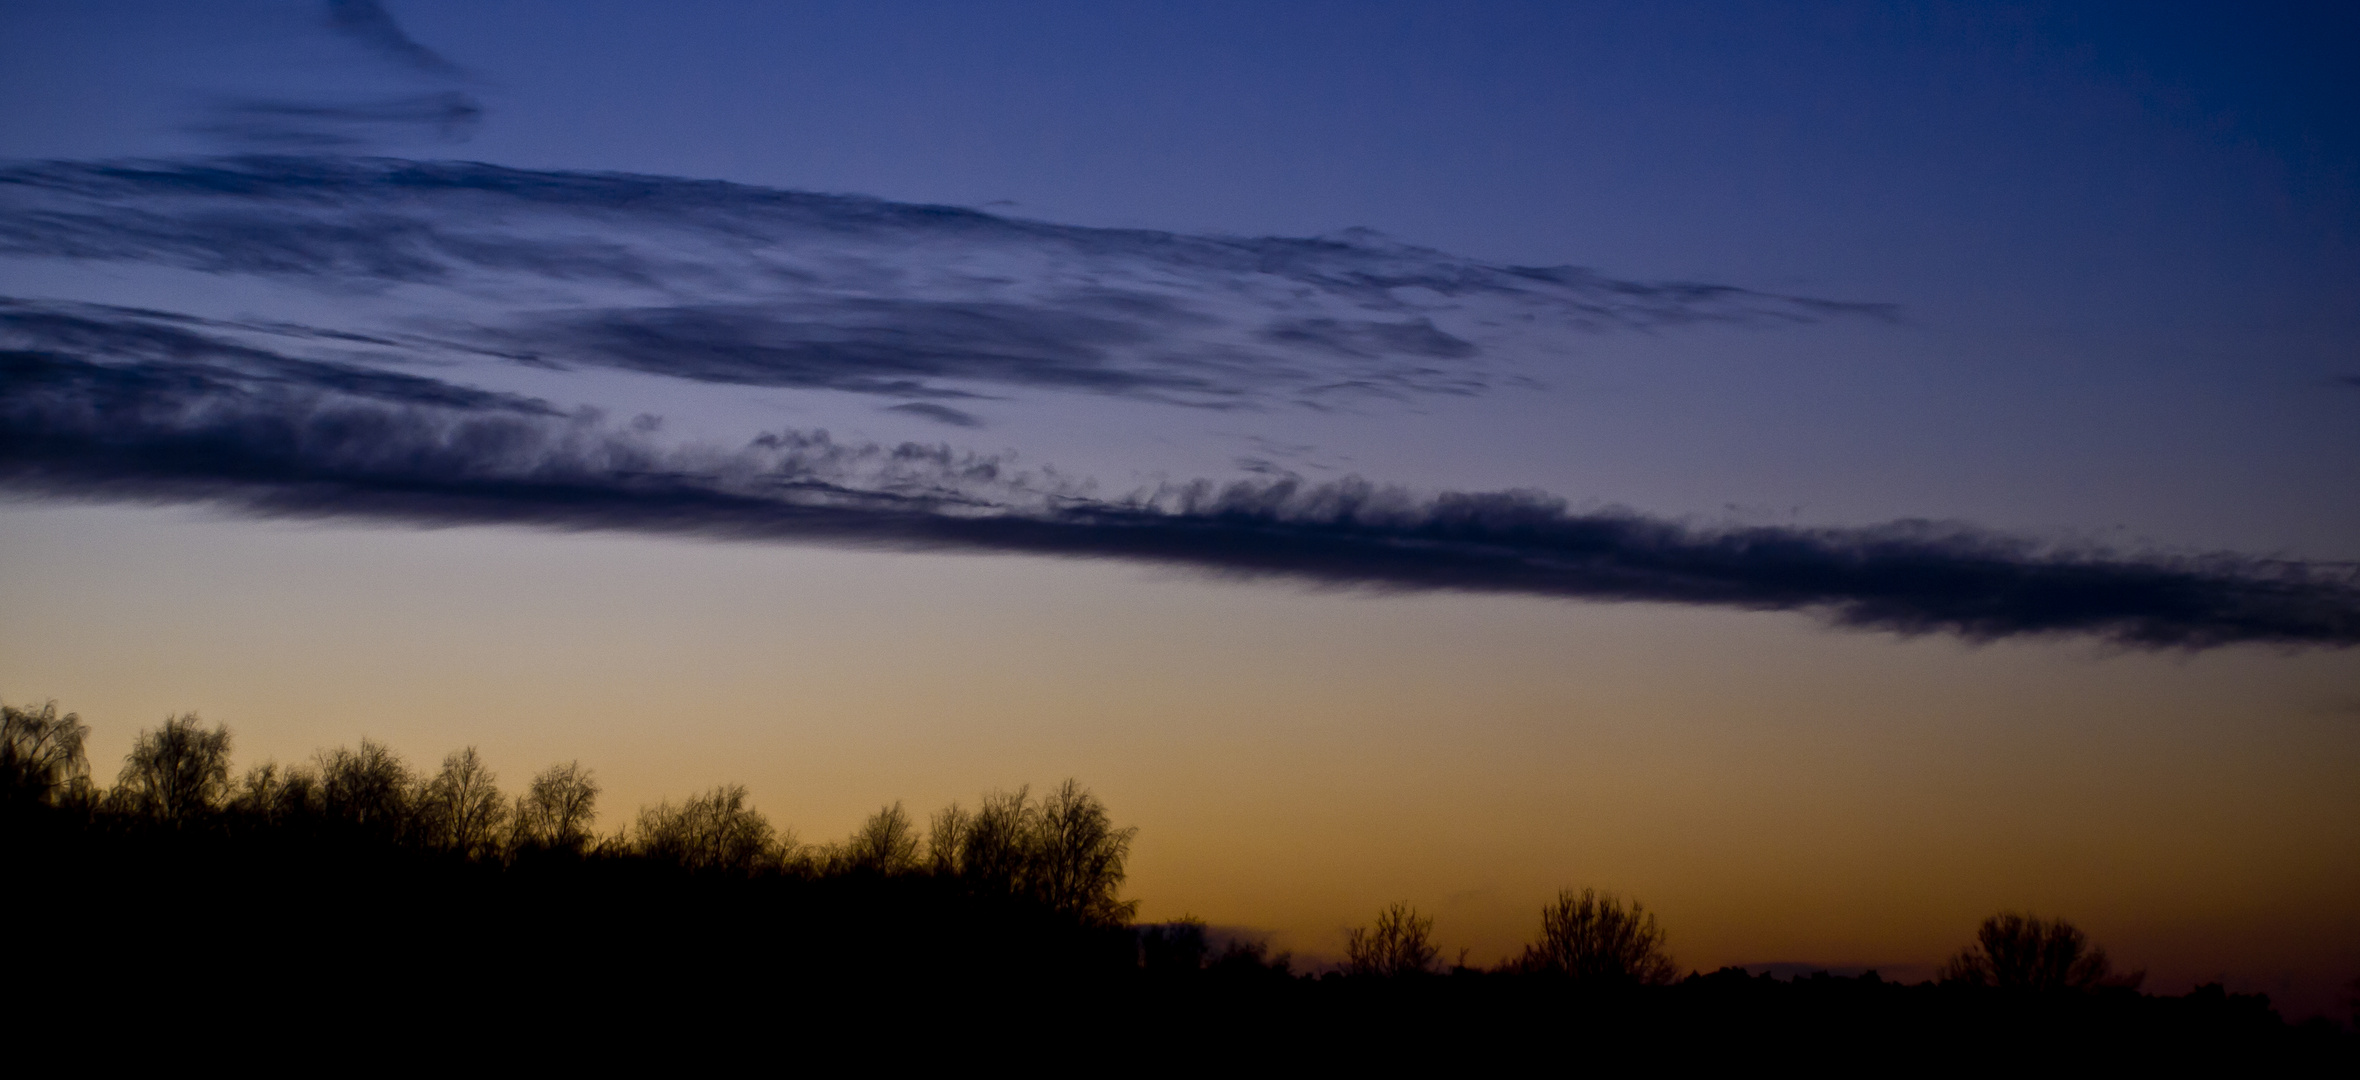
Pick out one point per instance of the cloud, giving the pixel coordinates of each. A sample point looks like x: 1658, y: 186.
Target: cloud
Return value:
x: 366, y: 111
x: 734, y: 284
x: 315, y: 126
x: 870, y: 346
x: 44, y: 345
x: 940, y: 414
x: 169, y: 431
x: 368, y: 23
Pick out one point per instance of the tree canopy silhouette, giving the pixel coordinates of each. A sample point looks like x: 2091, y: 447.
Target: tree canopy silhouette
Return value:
x: 368, y: 790
x: 381, y: 889
x: 176, y: 772
x: 2016, y: 951
x: 1399, y: 943
x: 41, y: 760
x: 1593, y: 936
x: 461, y: 809
x: 887, y: 843
x: 712, y: 831
x: 555, y: 813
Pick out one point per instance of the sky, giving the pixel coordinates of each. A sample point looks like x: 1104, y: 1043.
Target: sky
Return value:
x: 1830, y: 472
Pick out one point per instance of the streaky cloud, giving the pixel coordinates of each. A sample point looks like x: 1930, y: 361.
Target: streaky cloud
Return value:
x: 84, y: 428
x: 728, y: 283
x: 44, y: 344
x: 324, y: 126
x: 368, y: 23
x: 939, y: 413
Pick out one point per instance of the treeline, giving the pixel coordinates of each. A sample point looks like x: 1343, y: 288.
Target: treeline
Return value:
x: 354, y: 886
x: 1060, y: 851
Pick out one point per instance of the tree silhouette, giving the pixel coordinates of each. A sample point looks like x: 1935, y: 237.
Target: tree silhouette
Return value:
x: 994, y: 845
x: 1080, y: 856
x: 1176, y: 947
x: 886, y: 843
x: 176, y: 772
x: 41, y: 760
x: 368, y: 790
x: 946, y: 837
x: 461, y: 809
x: 555, y: 813
x: 270, y: 795
x: 713, y: 831
x: 2015, y: 951
x: 1592, y: 936
x: 1401, y: 943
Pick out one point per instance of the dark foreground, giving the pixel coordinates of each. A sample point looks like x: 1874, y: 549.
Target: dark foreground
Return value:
x: 187, y: 945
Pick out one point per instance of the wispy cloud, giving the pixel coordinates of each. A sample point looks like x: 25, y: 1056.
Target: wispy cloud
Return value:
x: 939, y: 413
x: 391, y: 91
x: 186, y: 421
x: 317, y: 126
x: 733, y: 284
x: 368, y: 23
x: 154, y: 352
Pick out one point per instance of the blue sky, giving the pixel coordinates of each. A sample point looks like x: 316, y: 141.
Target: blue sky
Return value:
x: 2119, y: 242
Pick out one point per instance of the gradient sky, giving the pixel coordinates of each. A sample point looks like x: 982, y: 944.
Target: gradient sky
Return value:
x: 1932, y: 494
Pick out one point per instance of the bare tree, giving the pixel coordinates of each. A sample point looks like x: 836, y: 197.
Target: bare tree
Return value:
x: 1080, y: 856
x: 1591, y: 935
x: 41, y: 760
x: 1400, y: 943
x: 370, y: 788
x: 273, y: 795
x: 946, y: 836
x: 2015, y: 951
x: 887, y: 843
x: 713, y: 831
x: 176, y: 772
x: 556, y: 812
x: 461, y: 808
x: 995, y: 848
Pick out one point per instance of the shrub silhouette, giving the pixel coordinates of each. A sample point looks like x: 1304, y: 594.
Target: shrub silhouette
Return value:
x: 2015, y: 951
x: 1173, y: 948
x: 1593, y: 937
x: 1400, y: 943
x: 177, y: 772
x: 41, y: 762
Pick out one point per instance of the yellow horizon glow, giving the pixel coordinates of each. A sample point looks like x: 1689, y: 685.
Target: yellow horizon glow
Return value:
x: 1294, y: 759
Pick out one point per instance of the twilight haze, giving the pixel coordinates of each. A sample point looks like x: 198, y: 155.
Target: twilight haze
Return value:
x: 1829, y: 471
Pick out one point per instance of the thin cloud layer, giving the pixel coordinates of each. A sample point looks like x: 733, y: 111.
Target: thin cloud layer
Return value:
x: 42, y: 344
x: 732, y: 284
x: 341, y: 126
x: 192, y: 422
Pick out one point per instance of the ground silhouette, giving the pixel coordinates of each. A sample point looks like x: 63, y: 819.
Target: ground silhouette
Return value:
x: 350, y: 899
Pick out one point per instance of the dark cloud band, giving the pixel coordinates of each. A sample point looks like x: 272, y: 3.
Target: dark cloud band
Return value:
x: 173, y: 432
x: 742, y: 285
